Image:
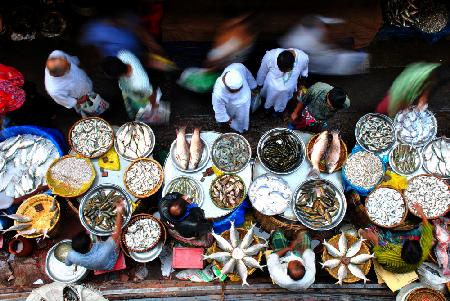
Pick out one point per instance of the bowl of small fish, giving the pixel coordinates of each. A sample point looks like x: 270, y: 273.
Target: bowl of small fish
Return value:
x: 143, y: 177
x: 436, y: 157
x: 91, y: 137
x: 405, y: 159
x: 231, y: 152
x: 363, y: 170
x: 269, y: 194
x: 326, y: 160
x: 24, y: 160
x: 431, y: 192
x: 319, y: 204
x: 62, y: 250
x: 386, y: 207
x: 134, y: 140
x: 186, y: 186
x: 38, y: 216
x: 142, y: 233
x: 375, y: 132
x: 189, y: 152
x: 281, y: 151
x: 414, y: 126
x: 70, y: 176
x: 227, y: 191
x: 98, y: 209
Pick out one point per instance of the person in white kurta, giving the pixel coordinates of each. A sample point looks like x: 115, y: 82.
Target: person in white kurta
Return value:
x: 66, y: 83
x: 278, y: 86
x: 232, y: 95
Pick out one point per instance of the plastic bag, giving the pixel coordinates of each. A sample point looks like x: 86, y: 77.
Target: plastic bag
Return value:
x: 160, y: 115
x: 429, y: 274
x: 199, y: 80
x: 95, y: 106
x: 395, y: 181
x: 208, y: 274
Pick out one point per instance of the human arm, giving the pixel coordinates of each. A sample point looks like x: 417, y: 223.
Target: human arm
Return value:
x: 220, y: 110
x: 263, y: 69
x: 118, y: 225
x: 250, y: 79
x: 419, y: 211
x: 298, y: 109
x: 370, y: 236
x: 66, y: 101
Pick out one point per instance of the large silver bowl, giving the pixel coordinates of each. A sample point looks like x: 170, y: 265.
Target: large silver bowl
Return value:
x: 337, y: 219
x: 271, y: 132
x: 199, y: 202
x: 362, y: 120
x: 203, y: 161
x: 214, y: 147
x: 92, y: 192
x: 147, y: 153
x: 425, y: 140
x: 391, y: 160
x: 424, y: 165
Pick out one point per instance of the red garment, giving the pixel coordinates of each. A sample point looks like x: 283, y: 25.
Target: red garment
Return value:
x: 12, y: 96
x: 307, y: 122
x: 383, y: 105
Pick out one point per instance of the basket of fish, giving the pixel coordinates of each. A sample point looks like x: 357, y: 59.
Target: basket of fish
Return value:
x: 227, y: 191
x: 186, y: 186
x: 415, y: 127
x: 386, y: 207
x: 405, y: 159
x: 134, y: 140
x: 189, y: 152
x: 269, y: 194
x: 24, y: 160
x: 281, y: 151
x: 70, y: 176
x: 431, y: 192
x: 347, y: 258
x: 231, y: 152
x: 363, y: 171
x: 98, y: 209
x: 37, y: 216
x: 91, y: 137
x: 319, y: 204
x: 329, y: 150
x: 142, y: 233
x: 375, y: 132
x: 143, y: 177
x: 436, y: 157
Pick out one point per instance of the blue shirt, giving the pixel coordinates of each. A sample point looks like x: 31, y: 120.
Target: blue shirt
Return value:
x: 102, y: 256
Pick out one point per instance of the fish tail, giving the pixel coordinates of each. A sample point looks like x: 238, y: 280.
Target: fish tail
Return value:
x: 313, y: 173
x: 244, y: 282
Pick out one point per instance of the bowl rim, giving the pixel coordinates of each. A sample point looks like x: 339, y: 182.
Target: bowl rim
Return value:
x: 199, y: 167
x: 423, y: 155
x: 434, y: 129
x: 202, y: 196
x: 147, y: 153
x: 240, y: 201
x: 391, y: 159
x: 157, y: 186
x: 249, y: 148
x: 405, y: 213
x: 382, y: 116
x: 341, y: 163
x: 131, y: 222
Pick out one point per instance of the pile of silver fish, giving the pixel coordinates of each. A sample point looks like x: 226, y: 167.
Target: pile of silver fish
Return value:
x: 237, y: 255
x: 405, y: 159
x: 227, y: 191
x: 269, y: 194
x: 91, y: 137
x: 72, y: 171
x: 436, y: 157
x: 143, y: 176
x: 231, y: 152
x: 385, y: 207
x: 24, y: 160
x: 188, y: 155
x: 346, y: 259
x: 375, y: 132
x: 186, y: 186
x: 142, y: 234
x: 402, y: 12
x: 134, y: 140
x: 364, y: 169
x: 326, y: 147
x: 281, y: 151
x: 414, y: 126
x: 432, y: 193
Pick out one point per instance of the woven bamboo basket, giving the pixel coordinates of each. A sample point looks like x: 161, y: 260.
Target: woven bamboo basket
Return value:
x: 131, y: 222
x: 322, y: 164
x: 238, y: 203
x: 428, y: 294
x: 155, y: 188
x: 64, y: 190
x: 365, y: 268
x: 273, y: 223
x: 95, y: 156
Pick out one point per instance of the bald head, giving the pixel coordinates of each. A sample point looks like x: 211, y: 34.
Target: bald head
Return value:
x: 57, y: 66
x: 296, y: 270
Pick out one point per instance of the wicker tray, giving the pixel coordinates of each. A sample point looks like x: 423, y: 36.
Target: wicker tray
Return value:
x: 238, y: 203
x: 322, y: 166
x: 428, y: 294
x: 365, y: 268
x: 155, y: 188
x: 272, y: 223
x: 131, y: 222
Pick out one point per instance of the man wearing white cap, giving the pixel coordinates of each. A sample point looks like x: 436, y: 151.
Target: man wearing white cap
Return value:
x: 232, y: 95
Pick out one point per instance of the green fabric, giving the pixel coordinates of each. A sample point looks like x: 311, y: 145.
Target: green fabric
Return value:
x: 134, y: 102
x: 409, y: 86
x: 200, y: 81
x: 279, y: 241
x: 316, y: 101
x: 389, y: 256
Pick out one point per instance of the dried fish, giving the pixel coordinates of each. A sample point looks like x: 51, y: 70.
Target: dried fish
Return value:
x: 375, y: 132
x: 248, y: 238
x: 219, y: 256
x: 227, y: 191
x: 330, y: 264
x: 17, y: 227
x: 405, y: 159
x: 72, y: 171
x: 414, y: 126
x: 364, y: 169
x: 332, y: 250
x: 142, y: 234
x: 357, y: 272
x: 134, y: 140
x: 91, y: 137
x: 269, y: 194
x: 342, y: 274
x: 361, y: 258
x: 143, y: 177
x: 18, y: 217
x: 436, y: 157
x: 234, y: 235
x: 231, y: 152
x: 354, y: 249
x: 385, y: 207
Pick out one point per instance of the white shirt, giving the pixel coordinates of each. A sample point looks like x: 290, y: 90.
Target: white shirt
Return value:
x: 138, y: 81
x: 278, y: 270
x: 66, y: 89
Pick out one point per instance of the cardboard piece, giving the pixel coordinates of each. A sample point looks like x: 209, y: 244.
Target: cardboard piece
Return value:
x: 393, y: 281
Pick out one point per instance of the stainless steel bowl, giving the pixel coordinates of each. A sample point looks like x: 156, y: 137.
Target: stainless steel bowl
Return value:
x: 361, y: 122
x: 336, y: 219
x: 203, y: 161
x: 424, y: 165
x: 391, y: 159
x: 271, y: 132
x: 214, y: 146
x: 90, y: 193
x: 195, y: 182
x: 422, y: 142
x: 147, y: 153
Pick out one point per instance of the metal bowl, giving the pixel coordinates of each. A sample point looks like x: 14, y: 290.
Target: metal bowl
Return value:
x: 90, y: 193
x: 267, y: 135
x: 203, y: 161
x: 424, y: 165
x: 336, y: 219
x: 391, y: 159
x: 421, y: 142
x: 268, y: 207
x: 360, y: 123
x: 147, y: 153
x: 238, y: 203
x: 214, y: 146
x: 198, y: 201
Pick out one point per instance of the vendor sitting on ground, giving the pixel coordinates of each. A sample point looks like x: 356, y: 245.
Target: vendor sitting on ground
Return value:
x: 407, y: 257
x: 186, y: 222
x: 318, y: 105
x: 97, y: 256
x: 292, y: 267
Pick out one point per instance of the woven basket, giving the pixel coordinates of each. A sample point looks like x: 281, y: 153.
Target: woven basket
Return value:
x: 238, y: 203
x: 273, y: 223
x: 428, y: 294
x: 365, y: 268
x: 322, y: 164
x: 98, y: 155
x: 155, y: 188
x: 131, y: 222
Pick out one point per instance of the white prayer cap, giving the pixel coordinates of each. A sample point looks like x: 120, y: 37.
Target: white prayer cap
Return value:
x: 233, y: 80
